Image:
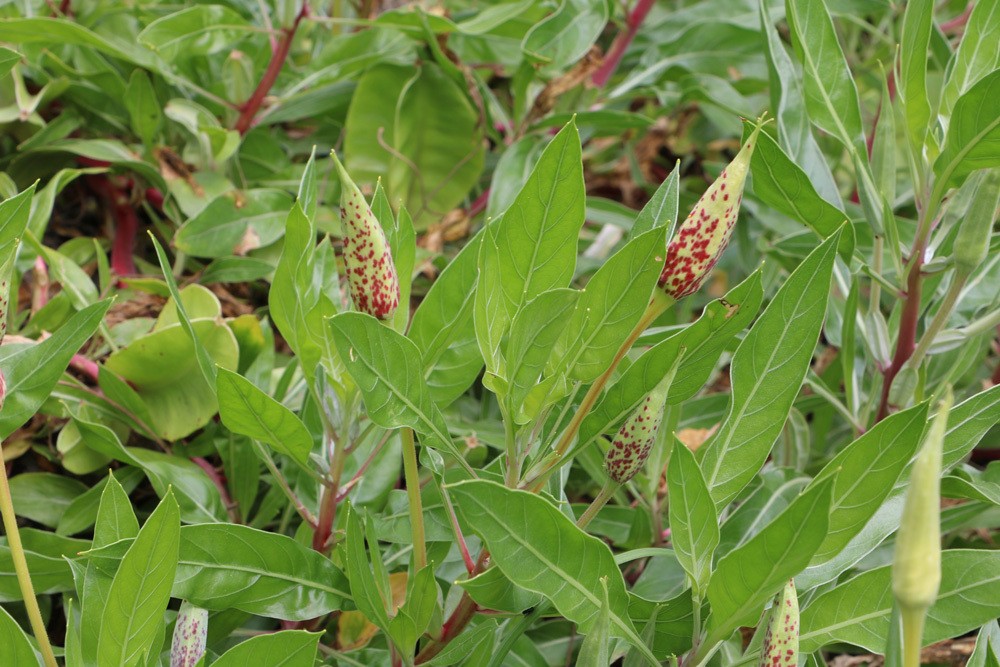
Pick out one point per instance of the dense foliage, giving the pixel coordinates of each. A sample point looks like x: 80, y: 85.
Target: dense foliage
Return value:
x: 560, y: 356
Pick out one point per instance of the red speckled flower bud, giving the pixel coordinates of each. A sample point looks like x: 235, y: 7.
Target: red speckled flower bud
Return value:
x: 781, y: 638
x: 703, y: 236
x: 190, y: 636
x: 631, y: 446
x: 370, y: 271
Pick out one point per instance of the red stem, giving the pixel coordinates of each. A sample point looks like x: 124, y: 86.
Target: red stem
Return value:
x: 479, y: 205
x: 220, y: 484
x: 907, y: 338
x: 957, y: 24
x: 125, y: 220
x: 84, y: 366
x: 249, y: 109
x: 621, y: 43
x: 459, y: 618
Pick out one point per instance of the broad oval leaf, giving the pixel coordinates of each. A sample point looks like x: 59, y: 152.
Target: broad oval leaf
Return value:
x: 288, y: 648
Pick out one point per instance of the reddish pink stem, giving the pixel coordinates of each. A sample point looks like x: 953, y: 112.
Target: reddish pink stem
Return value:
x: 479, y: 205
x: 249, y: 109
x: 621, y: 43
x: 220, y: 484
x: 86, y: 366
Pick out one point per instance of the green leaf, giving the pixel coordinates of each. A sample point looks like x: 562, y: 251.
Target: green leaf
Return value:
x: 195, y: 31
x: 196, y: 494
x: 370, y: 593
x: 864, y: 474
x: 532, y: 249
x: 969, y: 421
x: 386, y: 367
x: 115, y: 517
x: 918, y: 21
x: 670, y: 623
x: 8, y: 59
x: 288, y: 648
x: 235, y: 223
x: 15, y: 648
x: 533, y: 335
x: 767, y: 372
x: 858, y: 611
x: 831, y: 98
x: 58, y: 31
x: 596, y: 649
x: 702, y: 342
x: 492, y: 590
x: 163, y: 368
x: 747, y: 576
x: 247, y: 410
x: 973, y: 139
x: 45, y: 553
x: 609, y: 308
x: 141, y: 589
x: 82, y: 513
x: 397, y: 127
x: 442, y: 328
x: 225, y: 566
x: 694, y: 525
x: 32, y: 371
x: 296, y: 299
x: 783, y: 185
x: 662, y: 208
x: 975, y: 57
x: 43, y: 497
x: 14, y: 214
x: 541, y: 550
x: 143, y: 107
x: 566, y: 34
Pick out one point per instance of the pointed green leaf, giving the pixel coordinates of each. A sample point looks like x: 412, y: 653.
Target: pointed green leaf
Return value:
x: 973, y: 139
x: 767, y: 372
x: 386, y: 367
x: 747, y: 576
x: 247, y: 410
x: 540, y: 549
x: 694, y: 525
x: 15, y: 649
x: 141, y: 589
x: 288, y: 648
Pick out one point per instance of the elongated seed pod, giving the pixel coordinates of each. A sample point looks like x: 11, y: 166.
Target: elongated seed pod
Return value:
x: 371, y: 273
x: 190, y: 636
x: 781, y: 637
x: 703, y: 236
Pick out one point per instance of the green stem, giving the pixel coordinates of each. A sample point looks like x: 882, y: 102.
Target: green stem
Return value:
x: 21, y: 568
x: 521, y: 625
x: 913, y: 632
x: 608, y: 490
x: 413, y: 495
x: 940, y: 319
x: 657, y: 305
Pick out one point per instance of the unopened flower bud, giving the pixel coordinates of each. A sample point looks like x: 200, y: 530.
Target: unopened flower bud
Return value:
x: 371, y: 273
x: 703, y: 236
x: 631, y: 446
x: 781, y: 637
x: 190, y: 636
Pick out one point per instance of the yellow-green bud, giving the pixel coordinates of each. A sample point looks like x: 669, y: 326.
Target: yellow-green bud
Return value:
x: 916, y: 567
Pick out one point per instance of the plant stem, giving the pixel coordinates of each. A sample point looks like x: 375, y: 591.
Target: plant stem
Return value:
x: 657, y: 305
x: 906, y: 339
x: 608, y: 490
x: 412, y: 476
x: 459, y: 618
x: 249, y: 109
x: 913, y: 632
x: 21, y: 568
x: 232, y: 507
x: 622, y: 42
x: 940, y: 318
x: 306, y: 515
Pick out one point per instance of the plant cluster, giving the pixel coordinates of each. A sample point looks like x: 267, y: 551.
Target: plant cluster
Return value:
x: 484, y: 334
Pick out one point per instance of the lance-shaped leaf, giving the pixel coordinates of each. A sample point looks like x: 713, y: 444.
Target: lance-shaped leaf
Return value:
x: 386, y: 366
x: 767, y: 372
x: 973, y: 139
x: 540, y: 549
x: 694, y: 525
x: 13, y: 220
